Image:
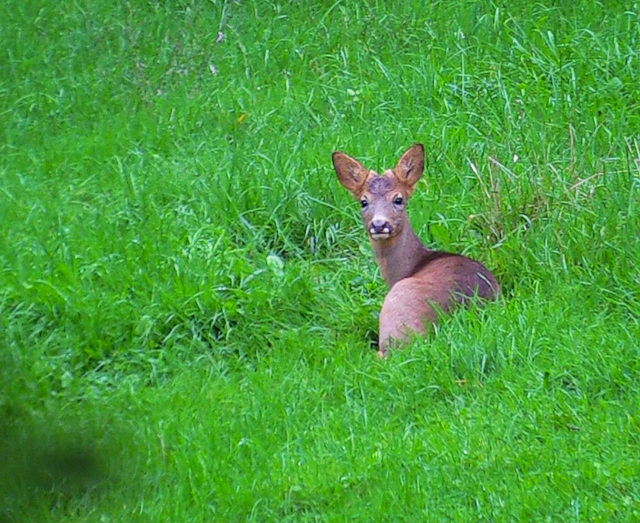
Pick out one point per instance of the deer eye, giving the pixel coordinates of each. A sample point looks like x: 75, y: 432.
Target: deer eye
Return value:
x: 398, y: 201
x: 364, y: 203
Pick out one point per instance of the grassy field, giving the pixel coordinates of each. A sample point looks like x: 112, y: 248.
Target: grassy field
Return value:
x: 188, y: 301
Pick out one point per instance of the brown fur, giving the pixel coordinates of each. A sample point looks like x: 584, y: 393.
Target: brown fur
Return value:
x: 420, y: 280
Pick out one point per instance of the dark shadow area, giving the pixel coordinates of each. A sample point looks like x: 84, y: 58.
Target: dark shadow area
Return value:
x: 55, y: 459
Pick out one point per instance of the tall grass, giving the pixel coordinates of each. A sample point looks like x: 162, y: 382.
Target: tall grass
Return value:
x: 188, y: 303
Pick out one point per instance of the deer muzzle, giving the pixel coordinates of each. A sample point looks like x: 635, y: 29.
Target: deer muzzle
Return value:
x: 380, y: 229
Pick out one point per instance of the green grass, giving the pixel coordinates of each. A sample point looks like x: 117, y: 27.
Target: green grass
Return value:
x: 188, y: 303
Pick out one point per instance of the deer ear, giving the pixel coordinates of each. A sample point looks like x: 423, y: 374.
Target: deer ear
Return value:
x: 351, y: 172
x: 410, y: 167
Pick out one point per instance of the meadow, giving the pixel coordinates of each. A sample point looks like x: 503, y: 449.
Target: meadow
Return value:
x: 188, y: 300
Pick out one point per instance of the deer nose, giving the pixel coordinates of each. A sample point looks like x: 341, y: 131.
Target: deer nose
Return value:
x: 380, y: 226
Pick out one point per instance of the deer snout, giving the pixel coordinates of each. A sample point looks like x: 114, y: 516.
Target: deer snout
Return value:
x: 380, y: 228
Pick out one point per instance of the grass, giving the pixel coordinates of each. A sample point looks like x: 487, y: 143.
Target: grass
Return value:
x: 188, y: 303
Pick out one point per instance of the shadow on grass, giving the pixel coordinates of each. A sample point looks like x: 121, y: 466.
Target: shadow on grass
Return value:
x: 55, y: 459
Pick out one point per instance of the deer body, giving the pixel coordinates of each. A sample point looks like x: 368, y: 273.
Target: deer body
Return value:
x: 420, y: 280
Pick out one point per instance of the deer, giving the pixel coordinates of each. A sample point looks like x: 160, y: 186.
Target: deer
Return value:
x: 422, y: 282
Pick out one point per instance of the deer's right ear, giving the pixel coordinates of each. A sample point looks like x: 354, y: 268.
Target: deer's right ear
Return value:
x: 351, y: 172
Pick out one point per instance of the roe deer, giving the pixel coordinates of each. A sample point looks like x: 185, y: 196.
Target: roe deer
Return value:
x: 420, y: 280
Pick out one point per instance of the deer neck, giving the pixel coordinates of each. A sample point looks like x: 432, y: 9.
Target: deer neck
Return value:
x: 400, y: 256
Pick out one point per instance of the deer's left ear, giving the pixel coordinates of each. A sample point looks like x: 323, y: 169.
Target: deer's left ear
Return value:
x: 410, y: 167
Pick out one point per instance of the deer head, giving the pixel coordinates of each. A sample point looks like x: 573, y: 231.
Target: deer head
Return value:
x: 383, y: 198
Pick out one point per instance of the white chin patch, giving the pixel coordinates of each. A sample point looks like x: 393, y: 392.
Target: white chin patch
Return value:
x: 380, y: 235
